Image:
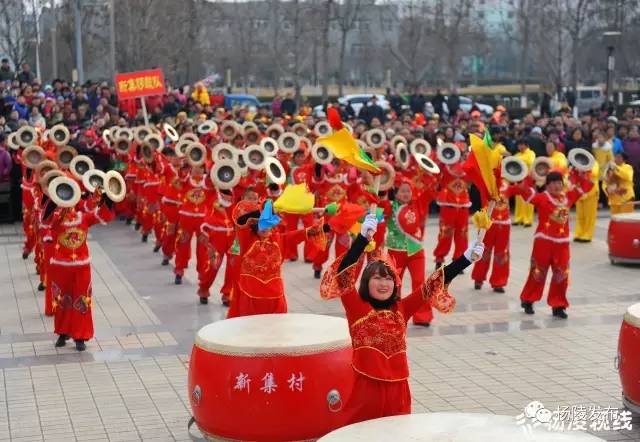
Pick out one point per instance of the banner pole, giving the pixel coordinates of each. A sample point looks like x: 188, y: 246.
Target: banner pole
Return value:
x: 144, y: 111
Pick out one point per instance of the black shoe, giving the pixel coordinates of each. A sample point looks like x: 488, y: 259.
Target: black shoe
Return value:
x: 559, y: 312
x: 80, y: 345
x: 477, y: 285
x: 41, y: 286
x: 308, y: 261
x: 438, y: 265
x: 137, y: 226
x: 528, y: 307
x: 178, y: 280
x: 165, y: 262
x: 422, y: 324
x: 317, y: 274
x: 204, y: 300
x: 145, y: 237
x: 62, y: 340
x: 128, y: 221
x: 25, y: 255
x: 526, y: 225
x: 293, y: 259
x: 498, y: 289
x: 517, y: 224
x: 156, y: 248
x: 225, y: 302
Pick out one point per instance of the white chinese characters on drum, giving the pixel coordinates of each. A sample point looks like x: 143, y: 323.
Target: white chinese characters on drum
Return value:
x: 258, y: 369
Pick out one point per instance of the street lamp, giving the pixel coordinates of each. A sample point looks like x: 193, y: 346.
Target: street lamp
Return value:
x: 610, y: 39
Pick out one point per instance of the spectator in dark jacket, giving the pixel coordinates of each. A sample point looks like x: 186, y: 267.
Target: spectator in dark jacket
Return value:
x: 371, y: 111
x: 5, y: 71
x: 438, y: 103
x: 453, y: 102
x: 417, y: 102
x: 26, y: 76
x: 576, y: 139
x: 535, y: 140
x: 395, y: 101
x: 288, y: 105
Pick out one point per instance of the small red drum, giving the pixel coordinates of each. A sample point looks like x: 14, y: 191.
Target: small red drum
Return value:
x: 624, y: 238
x: 275, y: 377
x: 629, y: 358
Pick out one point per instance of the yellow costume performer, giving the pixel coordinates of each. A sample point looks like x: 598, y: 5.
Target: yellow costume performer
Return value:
x: 618, y: 186
x: 524, y: 210
x: 587, y: 209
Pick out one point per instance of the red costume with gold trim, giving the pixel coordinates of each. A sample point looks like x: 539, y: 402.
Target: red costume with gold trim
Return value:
x: 219, y: 231
x: 454, y: 203
x: 379, y: 339
x: 551, y: 243
x: 28, y: 202
x: 171, y: 191
x: 70, y: 270
x: 196, y: 203
x: 299, y: 175
x: 496, y: 243
x: 259, y: 288
x: 330, y: 189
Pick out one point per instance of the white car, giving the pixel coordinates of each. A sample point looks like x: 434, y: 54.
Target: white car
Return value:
x: 357, y: 101
x: 466, y: 104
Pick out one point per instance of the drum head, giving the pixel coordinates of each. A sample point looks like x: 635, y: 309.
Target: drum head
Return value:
x: 59, y: 134
x: 171, y: 132
x: 275, y: 171
x: 225, y: 175
x: 255, y: 157
x: 224, y: 151
x: 420, y: 146
x: 93, y: 179
x: 448, y: 153
x: 402, y: 154
x: 289, y: 142
x: 321, y: 154
x: 114, y: 187
x: 260, y: 335
x: 64, y: 192
x: 270, y: 146
x: 80, y: 165
x: 388, y: 175
x: 33, y: 155
x: 190, y: 136
x: 514, y: 169
x: 581, y: 159
x: 322, y: 128
x: 425, y: 163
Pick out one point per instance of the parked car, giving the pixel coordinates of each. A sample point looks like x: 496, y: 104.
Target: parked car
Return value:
x: 466, y: 104
x: 231, y: 101
x: 588, y: 97
x: 357, y: 101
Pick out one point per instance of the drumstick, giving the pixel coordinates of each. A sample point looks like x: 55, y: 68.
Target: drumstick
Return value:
x: 482, y: 232
x: 374, y: 207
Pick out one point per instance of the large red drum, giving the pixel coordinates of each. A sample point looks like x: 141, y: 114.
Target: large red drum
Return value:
x: 629, y: 358
x: 271, y: 377
x: 624, y: 238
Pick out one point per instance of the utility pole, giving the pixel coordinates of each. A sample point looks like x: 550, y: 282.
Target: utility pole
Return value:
x: 112, y: 37
x: 78, y: 37
x: 54, y: 43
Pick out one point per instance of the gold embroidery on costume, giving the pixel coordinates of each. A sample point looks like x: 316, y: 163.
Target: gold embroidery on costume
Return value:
x: 383, y: 330
x: 72, y: 238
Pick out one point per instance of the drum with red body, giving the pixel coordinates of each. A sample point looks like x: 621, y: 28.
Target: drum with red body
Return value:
x: 624, y: 238
x: 271, y: 377
x: 629, y: 358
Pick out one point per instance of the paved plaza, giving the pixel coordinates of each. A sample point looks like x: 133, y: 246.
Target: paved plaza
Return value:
x: 130, y: 384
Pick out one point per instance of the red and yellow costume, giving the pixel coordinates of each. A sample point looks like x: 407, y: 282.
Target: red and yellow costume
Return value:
x: 219, y: 232
x: 496, y: 243
x: 331, y: 189
x: 454, y: 203
x: 171, y: 189
x: 551, y: 243
x: 379, y: 338
x: 405, y: 234
x: 259, y: 288
x: 196, y: 202
x: 70, y: 270
x: 299, y: 175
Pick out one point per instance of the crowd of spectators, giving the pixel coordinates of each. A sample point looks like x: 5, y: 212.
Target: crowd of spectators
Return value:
x: 89, y: 108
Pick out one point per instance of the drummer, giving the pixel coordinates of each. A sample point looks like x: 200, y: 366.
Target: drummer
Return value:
x: 378, y: 321
x: 619, y: 185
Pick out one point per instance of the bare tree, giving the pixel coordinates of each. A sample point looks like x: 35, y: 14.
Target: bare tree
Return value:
x: 16, y: 31
x: 410, y: 49
x: 345, y: 16
x: 578, y: 14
